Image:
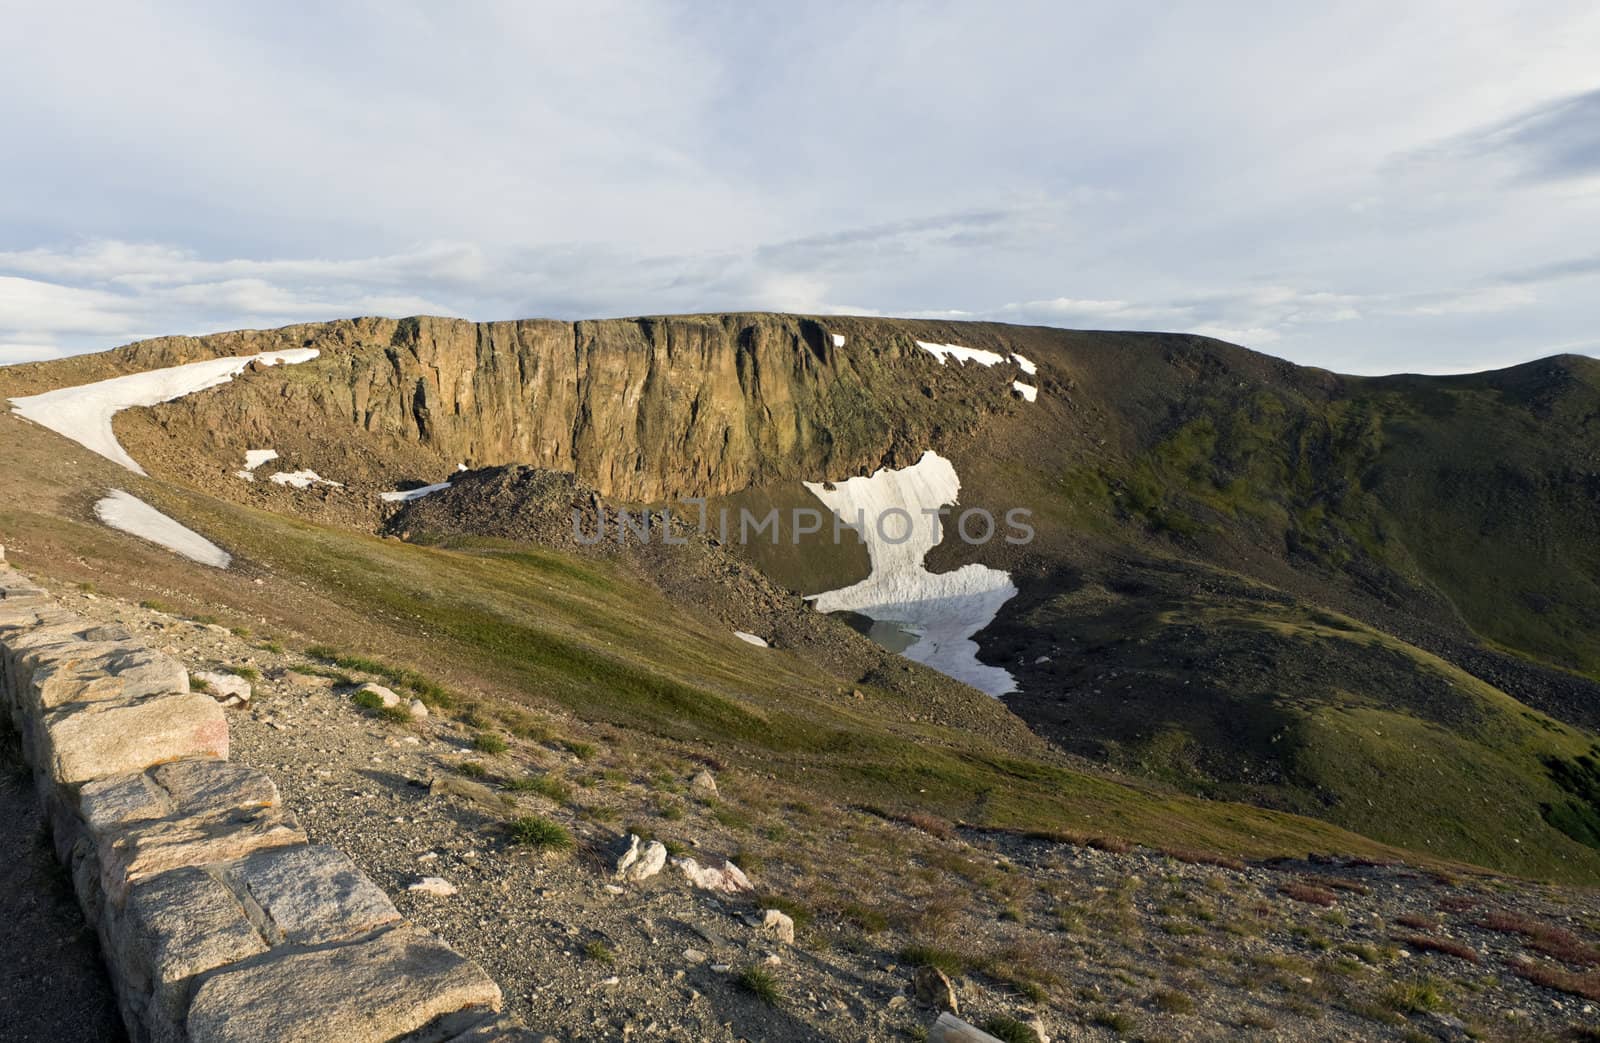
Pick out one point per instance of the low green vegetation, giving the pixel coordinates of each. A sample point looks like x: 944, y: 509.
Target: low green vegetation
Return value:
x: 760, y: 983
x: 541, y: 834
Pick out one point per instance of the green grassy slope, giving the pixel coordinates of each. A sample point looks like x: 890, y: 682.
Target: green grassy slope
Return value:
x: 548, y: 631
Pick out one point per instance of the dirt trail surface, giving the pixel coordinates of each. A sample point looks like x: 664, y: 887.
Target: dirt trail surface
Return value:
x: 53, y: 988
x: 1083, y: 941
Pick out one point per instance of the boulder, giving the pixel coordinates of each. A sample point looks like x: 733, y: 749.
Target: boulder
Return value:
x: 640, y: 861
x: 777, y: 925
x: 227, y: 689
x: 934, y: 988
x: 385, y: 695
x: 729, y: 879
x: 417, y: 709
x: 704, y: 786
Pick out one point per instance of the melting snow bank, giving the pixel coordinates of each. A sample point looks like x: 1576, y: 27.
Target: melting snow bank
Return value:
x: 129, y: 514
x: 407, y: 495
x: 960, y: 354
x: 84, y: 413
x: 1027, y: 391
x: 750, y: 638
x: 303, y: 479
x: 1026, y: 366
x: 254, y: 458
x: 943, y: 610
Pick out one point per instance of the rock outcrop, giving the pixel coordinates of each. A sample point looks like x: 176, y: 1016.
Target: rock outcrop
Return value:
x: 642, y: 409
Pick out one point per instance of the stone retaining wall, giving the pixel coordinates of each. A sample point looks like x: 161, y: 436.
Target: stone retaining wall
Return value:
x: 217, y: 919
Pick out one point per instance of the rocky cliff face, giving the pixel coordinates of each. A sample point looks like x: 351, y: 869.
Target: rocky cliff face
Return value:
x: 642, y: 409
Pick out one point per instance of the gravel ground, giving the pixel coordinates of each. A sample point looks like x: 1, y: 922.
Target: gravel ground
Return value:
x: 1086, y: 943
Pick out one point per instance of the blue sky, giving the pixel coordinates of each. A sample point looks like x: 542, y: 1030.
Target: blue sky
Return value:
x: 1372, y: 188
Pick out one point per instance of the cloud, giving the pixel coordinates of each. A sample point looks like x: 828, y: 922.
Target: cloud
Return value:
x: 1022, y: 163
x: 1555, y: 140
x: 12, y: 354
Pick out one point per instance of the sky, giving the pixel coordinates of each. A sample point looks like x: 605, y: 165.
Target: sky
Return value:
x: 1371, y: 188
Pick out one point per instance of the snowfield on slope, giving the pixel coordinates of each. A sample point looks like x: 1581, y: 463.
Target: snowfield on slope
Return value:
x: 944, y: 610
x: 127, y: 513
x: 407, y: 495
x: 84, y: 413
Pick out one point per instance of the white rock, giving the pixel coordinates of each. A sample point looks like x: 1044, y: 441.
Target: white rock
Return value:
x: 437, y: 886
x: 419, y: 712
x: 729, y: 879
x: 703, y: 785
x: 388, y: 697
x: 641, y: 861
x: 776, y: 924
x: 226, y: 689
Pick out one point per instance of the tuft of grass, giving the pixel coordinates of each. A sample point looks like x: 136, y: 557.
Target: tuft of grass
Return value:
x: 749, y: 861
x: 1414, y: 997
x: 599, y: 952
x: 1585, y: 985
x: 1115, y: 1020
x: 1448, y: 946
x: 933, y: 825
x: 1309, y: 893
x: 581, y: 750
x: 1547, y: 938
x: 429, y: 691
x: 865, y: 918
x: 918, y: 955
x: 197, y: 685
x: 541, y: 834
x: 1204, y: 858
x: 545, y: 785
x: 368, y: 700
x: 395, y: 714
x: 276, y: 648
x: 249, y: 673
x: 156, y: 606
x: 1173, y: 1002
x: 472, y: 769
x: 1009, y: 1030
x: 490, y: 743
x: 1417, y: 921
x: 760, y: 983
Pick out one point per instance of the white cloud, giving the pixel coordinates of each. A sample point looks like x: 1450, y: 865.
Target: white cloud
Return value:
x: 244, y: 167
x: 11, y: 353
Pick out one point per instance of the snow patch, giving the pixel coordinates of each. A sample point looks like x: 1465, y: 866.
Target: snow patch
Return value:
x: 1027, y: 391
x: 254, y: 458
x: 838, y: 340
x: 960, y: 354
x: 246, y: 475
x: 1027, y: 367
x: 127, y: 513
x: 943, y: 610
x: 84, y: 413
x: 303, y: 479
x: 750, y: 638
x: 407, y: 495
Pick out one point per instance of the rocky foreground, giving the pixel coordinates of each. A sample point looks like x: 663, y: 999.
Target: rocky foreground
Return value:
x: 746, y: 911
